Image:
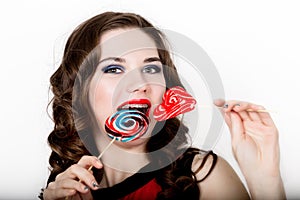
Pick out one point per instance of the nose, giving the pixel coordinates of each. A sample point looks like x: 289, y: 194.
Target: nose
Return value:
x: 139, y: 88
x: 136, y: 82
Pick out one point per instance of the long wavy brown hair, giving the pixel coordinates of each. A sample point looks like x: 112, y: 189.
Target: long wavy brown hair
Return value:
x: 70, y: 99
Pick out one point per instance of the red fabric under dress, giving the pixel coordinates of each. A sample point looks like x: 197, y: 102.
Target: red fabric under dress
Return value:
x: 147, y: 192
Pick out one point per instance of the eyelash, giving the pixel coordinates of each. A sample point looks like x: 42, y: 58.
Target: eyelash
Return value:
x: 113, y: 69
x: 156, y: 69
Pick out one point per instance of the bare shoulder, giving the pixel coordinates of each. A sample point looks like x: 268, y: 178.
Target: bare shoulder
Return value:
x: 222, y: 181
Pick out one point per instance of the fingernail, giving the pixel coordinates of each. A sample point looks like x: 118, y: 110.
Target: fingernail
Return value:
x: 86, y: 187
x: 225, y: 106
x: 95, y: 185
x: 237, y: 104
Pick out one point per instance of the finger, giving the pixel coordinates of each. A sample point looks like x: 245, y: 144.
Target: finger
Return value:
x: 254, y: 115
x: 227, y: 119
x: 241, y: 109
x: 67, y: 186
x: 243, y: 114
x: 229, y: 105
x: 219, y: 102
x: 237, y: 128
x: 266, y: 119
x: 72, y: 184
x: 87, y: 161
x: 264, y: 116
x: 78, y: 172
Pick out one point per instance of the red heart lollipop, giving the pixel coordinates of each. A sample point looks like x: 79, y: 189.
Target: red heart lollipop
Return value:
x: 175, y: 101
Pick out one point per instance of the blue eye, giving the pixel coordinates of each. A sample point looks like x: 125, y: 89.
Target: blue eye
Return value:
x: 151, y: 69
x: 113, y: 69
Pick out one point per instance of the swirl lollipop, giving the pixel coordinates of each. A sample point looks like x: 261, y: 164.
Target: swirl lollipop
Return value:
x: 130, y: 121
x: 127, y: 125
x: 175, y: 101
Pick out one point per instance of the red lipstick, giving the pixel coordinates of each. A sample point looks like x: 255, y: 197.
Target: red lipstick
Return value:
x: 139, y: 104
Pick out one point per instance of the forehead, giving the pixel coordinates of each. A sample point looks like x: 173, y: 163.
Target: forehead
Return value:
x: 118, y: 42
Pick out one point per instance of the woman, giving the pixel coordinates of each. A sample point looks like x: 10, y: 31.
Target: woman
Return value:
x: 114, y: 58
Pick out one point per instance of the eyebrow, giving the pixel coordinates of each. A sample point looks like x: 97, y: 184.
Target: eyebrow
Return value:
x: 122, y: 60
x: 152, y: 59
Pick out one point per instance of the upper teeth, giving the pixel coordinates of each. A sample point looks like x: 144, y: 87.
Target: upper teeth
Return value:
x: 134, y: 106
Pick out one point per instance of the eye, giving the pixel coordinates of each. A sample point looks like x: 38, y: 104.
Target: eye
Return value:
x: 151, y: 69
x: 113, y: 69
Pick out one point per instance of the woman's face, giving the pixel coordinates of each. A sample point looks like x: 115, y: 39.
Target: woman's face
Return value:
x: 129, y: 72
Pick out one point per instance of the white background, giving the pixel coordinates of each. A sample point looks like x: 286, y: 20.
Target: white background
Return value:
x: 255, y: 46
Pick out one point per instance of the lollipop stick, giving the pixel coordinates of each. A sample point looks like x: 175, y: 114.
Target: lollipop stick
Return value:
x: 248, y: 110
x: 112, y: 141
x: 261, y: 111
x: 105, y: 149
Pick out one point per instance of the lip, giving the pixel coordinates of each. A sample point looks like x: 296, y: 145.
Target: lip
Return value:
x: 137, y: 101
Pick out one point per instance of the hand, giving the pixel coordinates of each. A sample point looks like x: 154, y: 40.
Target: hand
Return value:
x: 67, y: 185
x: 255, y: 145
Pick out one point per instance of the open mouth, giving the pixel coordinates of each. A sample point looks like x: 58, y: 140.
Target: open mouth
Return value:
x: 130, y: 121
x: 142, y: 105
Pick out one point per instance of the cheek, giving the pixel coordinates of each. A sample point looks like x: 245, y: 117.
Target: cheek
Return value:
x: 158, y: 92
x: 101, y: 102
x: 159, y: 88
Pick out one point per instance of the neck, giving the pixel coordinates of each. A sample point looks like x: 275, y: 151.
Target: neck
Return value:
x: 124, y: 157
x: 112, y: 176
x: 120, y: 164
